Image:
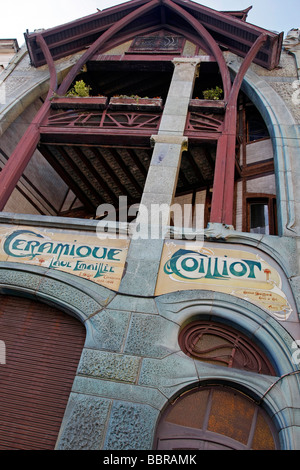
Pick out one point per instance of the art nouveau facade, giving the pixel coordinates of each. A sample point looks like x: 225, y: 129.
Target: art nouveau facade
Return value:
x: 116, y: 335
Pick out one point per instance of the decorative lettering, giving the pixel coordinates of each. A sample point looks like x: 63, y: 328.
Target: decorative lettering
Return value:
x: 193, y: 265
x: 22, y: 248
x: 101, y: 263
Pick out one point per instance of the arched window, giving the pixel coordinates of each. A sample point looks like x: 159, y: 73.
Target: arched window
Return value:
x: 261, y: 214
x: 219, y: 344
x: 215, y: 418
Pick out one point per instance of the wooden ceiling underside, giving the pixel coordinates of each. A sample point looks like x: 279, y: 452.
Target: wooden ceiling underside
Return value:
x: 108, y: 79
x: 100, y: 175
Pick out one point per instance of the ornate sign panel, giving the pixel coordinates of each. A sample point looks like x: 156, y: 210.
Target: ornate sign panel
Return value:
x: 158, y: 43
x: 223, y: 268
x: 86, y: 256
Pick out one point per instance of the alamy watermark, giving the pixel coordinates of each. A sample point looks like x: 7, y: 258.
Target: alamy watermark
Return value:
x: 140, y: 221
x: 2, y: 352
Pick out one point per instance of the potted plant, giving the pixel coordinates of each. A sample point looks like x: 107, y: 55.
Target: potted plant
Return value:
x: 213, y: 93
x: 78, y: 97
x: 211, y: 99
x: 135, y: 102
x: 80, y: 89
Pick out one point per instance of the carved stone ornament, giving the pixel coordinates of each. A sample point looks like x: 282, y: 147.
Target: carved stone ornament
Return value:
x: 218, y: 231
x: 222, y: 345
x: 291, y: 42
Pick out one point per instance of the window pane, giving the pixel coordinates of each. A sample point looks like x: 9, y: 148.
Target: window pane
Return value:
x: 259, y: 218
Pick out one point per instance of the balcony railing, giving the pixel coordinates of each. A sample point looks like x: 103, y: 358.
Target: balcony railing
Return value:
x: 69, y: 114
x: 129, y: 116
x: 104, y: 120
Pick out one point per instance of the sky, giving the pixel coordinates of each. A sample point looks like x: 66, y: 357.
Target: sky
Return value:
x: 22, y: 15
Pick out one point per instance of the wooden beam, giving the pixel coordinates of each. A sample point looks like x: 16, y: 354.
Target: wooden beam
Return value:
x: 126, y: 171
x: 95, y: 174
x: 111, y: 173
x: 80, y: 174
x: 209, y: 40
x: 116, y: 27
x: 258, y: 169
x: 26, y: 146
x: 137, y: 162
x: 196, y: 168
x: 223, y: 189
x: 68, y: 180
x: 33, y: 189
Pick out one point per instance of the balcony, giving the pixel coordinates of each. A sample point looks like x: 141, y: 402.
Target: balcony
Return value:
x: 101, y: 147
x: 124, y: 120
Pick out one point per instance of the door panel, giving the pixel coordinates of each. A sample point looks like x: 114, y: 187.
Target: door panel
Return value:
x: 43, y: 348
x: 215, y: 418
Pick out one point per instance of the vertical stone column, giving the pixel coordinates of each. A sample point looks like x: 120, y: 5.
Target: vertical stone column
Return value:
x: 170, y: 142
x: 145, y: 248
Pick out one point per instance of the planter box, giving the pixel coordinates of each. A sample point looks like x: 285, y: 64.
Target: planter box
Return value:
x: 74, y: 102
x: 135, y: 104
x: 211, y: 105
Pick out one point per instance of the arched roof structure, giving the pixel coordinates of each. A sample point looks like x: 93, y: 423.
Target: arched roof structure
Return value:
x: 229, y: 29
x: 214, y: 31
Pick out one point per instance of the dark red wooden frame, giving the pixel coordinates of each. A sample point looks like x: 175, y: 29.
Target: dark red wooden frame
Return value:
x: 223, y: 193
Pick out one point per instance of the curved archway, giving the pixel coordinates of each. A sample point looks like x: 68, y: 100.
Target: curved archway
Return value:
x: 283, y: 128
x: 43, y: 349
x: 209, y: 418
x: 239, y: 314
x: 272, y: 339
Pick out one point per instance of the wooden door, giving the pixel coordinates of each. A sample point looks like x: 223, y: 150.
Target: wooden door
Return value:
x: 42, y: 349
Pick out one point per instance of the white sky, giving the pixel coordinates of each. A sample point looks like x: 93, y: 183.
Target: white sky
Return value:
x: 20, y: 15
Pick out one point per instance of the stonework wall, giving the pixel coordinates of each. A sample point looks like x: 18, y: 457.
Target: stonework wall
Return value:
x: 259, y: 151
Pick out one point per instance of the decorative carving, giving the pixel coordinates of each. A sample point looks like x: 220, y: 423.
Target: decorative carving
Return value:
x: 105, y: 120
x: 170, y: 139
x: 200, y: 122
x: 157, y: 44
x: 291, y: 42
x: 219, y: 231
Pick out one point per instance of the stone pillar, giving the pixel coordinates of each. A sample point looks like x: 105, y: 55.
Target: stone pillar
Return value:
x: 170, y: 142
x: 147, y: 241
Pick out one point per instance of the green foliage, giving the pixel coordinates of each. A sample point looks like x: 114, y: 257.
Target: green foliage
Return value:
x: 79, y: 89
x: 135, y: 97
x: 213, y: 93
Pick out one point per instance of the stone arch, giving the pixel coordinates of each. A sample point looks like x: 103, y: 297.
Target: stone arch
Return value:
x: 77, y: 297
x: 37, y: 86
x: 257, y: 324
x: 275, y: 394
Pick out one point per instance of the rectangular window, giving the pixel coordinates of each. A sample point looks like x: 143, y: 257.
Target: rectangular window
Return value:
x: 261, y: 215
x: 259, y: 218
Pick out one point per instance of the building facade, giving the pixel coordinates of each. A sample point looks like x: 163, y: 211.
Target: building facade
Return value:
x: 149, y: 257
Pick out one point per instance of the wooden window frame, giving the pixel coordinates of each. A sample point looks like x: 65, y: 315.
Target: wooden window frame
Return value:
x: 260, y: 198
